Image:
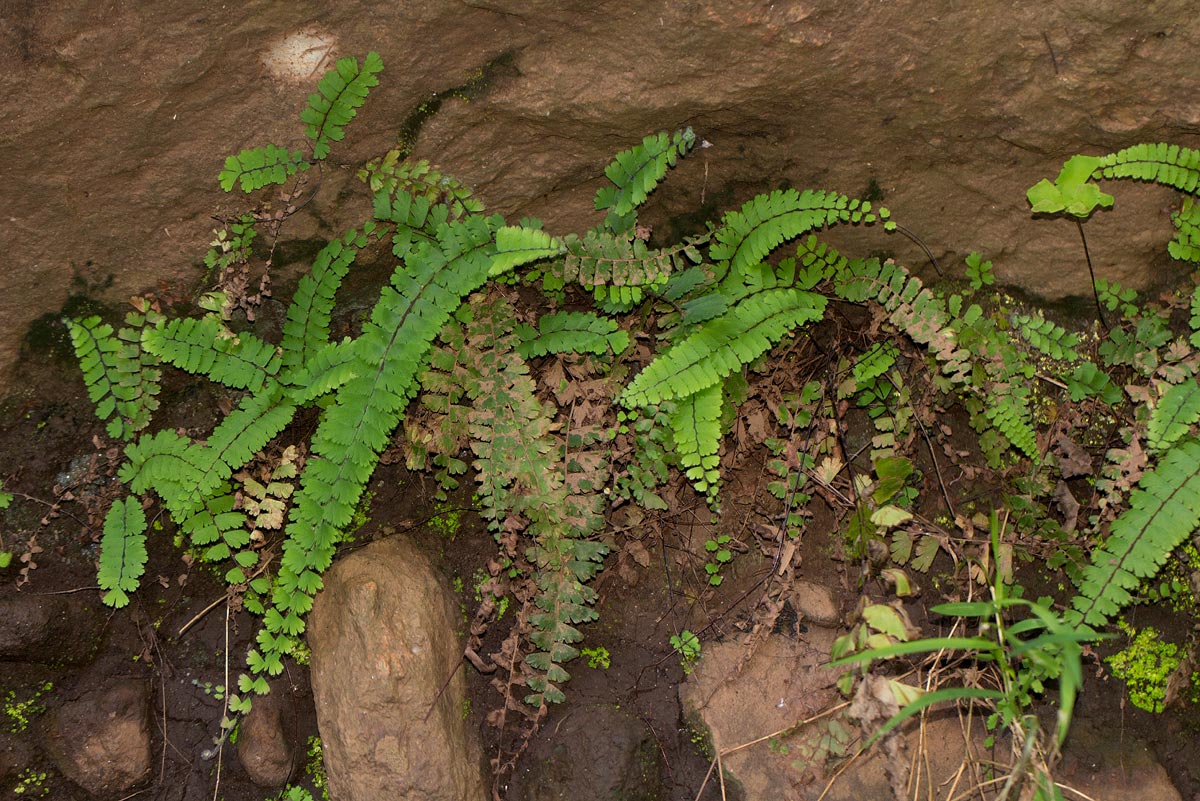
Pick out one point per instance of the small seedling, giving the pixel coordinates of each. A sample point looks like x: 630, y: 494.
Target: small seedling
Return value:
x: 687, y: 645
x: 597, y: 657
x: 721, y: 555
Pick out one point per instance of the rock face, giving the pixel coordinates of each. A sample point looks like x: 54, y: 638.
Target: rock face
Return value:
x: 48, y: 629
x: 383, y: 638
x: 949, y: 109
x: 101, y: 740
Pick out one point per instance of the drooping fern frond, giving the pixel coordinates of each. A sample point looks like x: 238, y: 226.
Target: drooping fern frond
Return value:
x: 122, y: 376
x: 203, y: 345
x: 1174, y: 415
x: 722, y: 345
x: 357, y: 426
x: 122, y: 551
x: 261, y: 166
x: 696, y: 431
x: 634, y: 174
x: 1161, y: 163
x: 746, y: 236
x: 523, y: 478
x: 1163, y: 512
x: 571, y: 332
x: 340, y: 93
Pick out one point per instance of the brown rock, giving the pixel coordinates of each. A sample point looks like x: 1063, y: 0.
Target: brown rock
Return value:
x: 48, y: 628
x: 952, y: 108
x: 383, y: 642
x: 263, y: 747
x: 101, y: 739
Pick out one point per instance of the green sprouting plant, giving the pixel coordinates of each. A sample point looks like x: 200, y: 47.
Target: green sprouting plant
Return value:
x: 21, y: 709
x: 1145, y: 665
x: 32, y: 784
x: 719, y: 556
x: 687, y: 645
x: 979, y: 272
x: 597, y: 657
x: 1024, y: 657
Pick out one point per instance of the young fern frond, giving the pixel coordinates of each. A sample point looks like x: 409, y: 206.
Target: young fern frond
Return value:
x: 340, y: 93
x: 696, y: 431
x: 122, y: 551
x: 306, y: 330
x: 723, y: 345
x: 203, y: 345
x: 1163, y: 512
x: 1174, y: 415
x: 517, y: 245
x: 121, y: 375
x: 571, y: 332
x: 766, y: 221
x: 1048, y: 337
x: 261, y: 166
x: 634, y: 174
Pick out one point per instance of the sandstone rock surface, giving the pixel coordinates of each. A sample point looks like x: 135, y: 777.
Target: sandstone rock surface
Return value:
x: 951, y: 109
x: 383, y: 638
x: 101, y: 739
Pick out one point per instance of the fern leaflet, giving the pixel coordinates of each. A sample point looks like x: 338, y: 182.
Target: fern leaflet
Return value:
x: 1176, y: 411
x: 1048, y: 337
x: 339, y: 95
x: 1163, y: 511
x: 696, y: 428
x: 722, y: 345
x: 517, y: 245
x: 122, y: 551
x: 261, y: 166
x: 635, y: 172
x: 203, y: 345
x: 571, y: 332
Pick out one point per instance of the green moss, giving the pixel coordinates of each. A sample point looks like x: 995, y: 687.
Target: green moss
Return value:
x: 20, y: 712
x: 1145, y: 665
x: 32, y: 784
x: 598, y: 657
x: 446, y: 521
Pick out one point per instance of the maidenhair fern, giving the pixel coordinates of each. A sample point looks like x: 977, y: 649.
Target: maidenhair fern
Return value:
x: 122, y: 551
x: 338, y: 97
x: 571, y: 332
x: 258, y: 167
x: 634, y: 174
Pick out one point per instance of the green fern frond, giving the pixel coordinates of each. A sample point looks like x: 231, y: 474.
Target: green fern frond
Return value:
x: 203, y: 345
x: 1194, y: 318
x: 1088, y: 380
x: 1163, y: 512
x: 1175, y: 413
x: 1048, y: 337
x: 357, y: 427
x: 339, y: 95
x: 763, y: 223
x: 261, y: 166
x: 572, y: 332
x: 328, y: 369
x: 1170, y: 165
x: 306, y: 330
x: 722, y: 345
x: 1186, y: 244
x: 121, y: 375
x: 122, y: 551
x: 516, y: 245
x: 622, y: 266
x: 1008, y: 410
x: 635, y: 172
x: 696, y: 430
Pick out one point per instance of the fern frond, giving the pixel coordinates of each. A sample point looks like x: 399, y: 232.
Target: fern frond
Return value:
x: 122, y: 377
x: 357, y: 427
x: 766, y: 221
x: 306, y: 329
x: 1175, y: 413
x: 339, y: 95
x: 122, y: 551
x: 1163, y: 512
x: 1170, y: 165
x: 517, y: 245
x: 393, y: 173
x: 1186, y: 244
x: 601, y: 259
x: 203, y: 345
x: 635, y: 172
x: 1048, y: 337
x: 326, y: 370
x: 572, y: 332
x: 1008, y: 410
x: 261, y: 166
x: 722, y: 345
x: 696, y: 430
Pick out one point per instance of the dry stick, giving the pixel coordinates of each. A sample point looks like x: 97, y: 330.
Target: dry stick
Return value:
x: 225, y: 708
